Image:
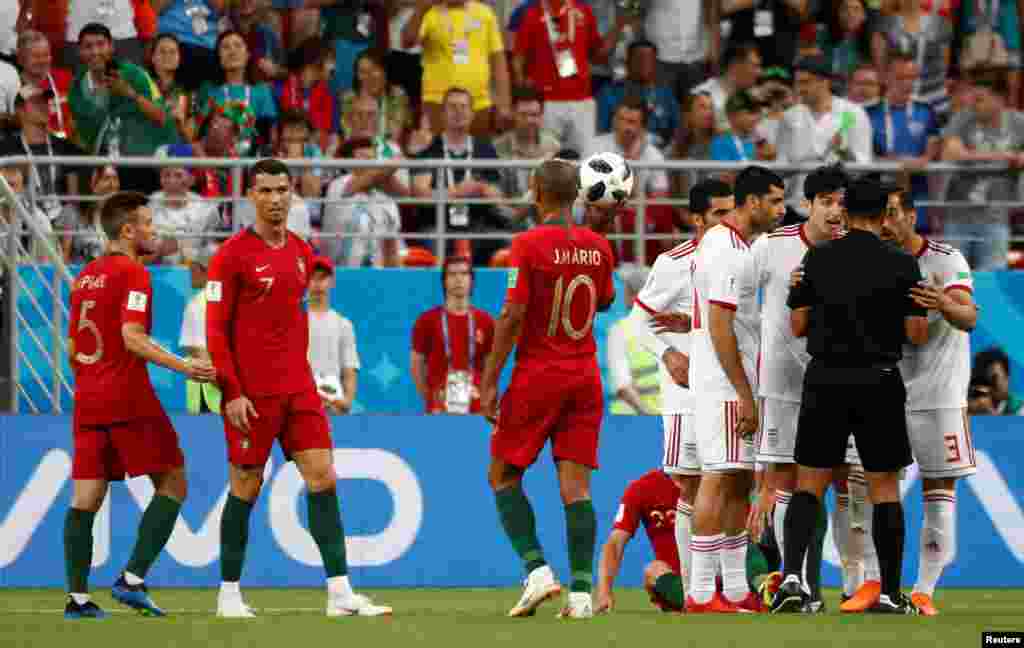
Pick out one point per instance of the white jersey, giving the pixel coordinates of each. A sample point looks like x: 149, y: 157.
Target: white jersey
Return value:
x: 938, y: 372
x: 784, y: 357
x: 669, y: 288
x: 724, y: 273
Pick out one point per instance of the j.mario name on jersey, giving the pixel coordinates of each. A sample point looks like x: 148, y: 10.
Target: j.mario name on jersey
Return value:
x: 576, y: 256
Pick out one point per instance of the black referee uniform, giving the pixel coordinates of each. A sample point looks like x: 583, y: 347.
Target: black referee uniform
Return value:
x: 857, y: 292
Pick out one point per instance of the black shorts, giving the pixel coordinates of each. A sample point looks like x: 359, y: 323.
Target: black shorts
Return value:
x: 868, y: 403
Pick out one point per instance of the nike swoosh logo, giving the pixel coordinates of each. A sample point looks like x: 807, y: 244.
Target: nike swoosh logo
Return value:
x: 262, y: 268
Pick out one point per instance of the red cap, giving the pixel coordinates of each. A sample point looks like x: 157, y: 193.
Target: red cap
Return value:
x: 323, y: 263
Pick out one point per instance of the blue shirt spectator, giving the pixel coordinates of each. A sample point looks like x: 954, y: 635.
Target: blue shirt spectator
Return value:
x: 728, y: 147
x: 641, y: 81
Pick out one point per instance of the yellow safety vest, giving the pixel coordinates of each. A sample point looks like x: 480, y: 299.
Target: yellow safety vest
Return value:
x: 196, y: 392
x: 643, y: 366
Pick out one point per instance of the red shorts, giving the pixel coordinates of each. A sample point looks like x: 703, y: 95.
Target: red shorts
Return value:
x: 297, y: 421
x: 568, y: 410
x: 108, y: 451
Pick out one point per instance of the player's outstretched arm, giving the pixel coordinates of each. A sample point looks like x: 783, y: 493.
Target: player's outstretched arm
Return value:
x: 506, y: 334
x: 137, y: 341
x: 608, y: 569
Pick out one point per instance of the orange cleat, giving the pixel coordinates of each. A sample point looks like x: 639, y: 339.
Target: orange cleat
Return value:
x: 749, y: 604
x: 924, y: 604
x: 693, y: 607
x: 864, y: 598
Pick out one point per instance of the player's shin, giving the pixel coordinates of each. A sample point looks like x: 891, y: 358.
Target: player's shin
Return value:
x: 840, y: 515
x: 154, y: 530
x: 889, y: 531
x: 801, y: 519
x: 78, y: 551
x: 815, y: 551
x: 234, y: 536
x: 684, y: 519
x: 581, y: 527
x: 782, y: 500
x: 328, y: 532
x: 938, y: 538
x: 520, y: 525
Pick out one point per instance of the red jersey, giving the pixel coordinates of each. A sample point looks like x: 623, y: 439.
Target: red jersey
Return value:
x: 652, y: 500
x: 428, y: 339
x: 257, y: 329
x: 576, y: 34
x: 563, y: 276
x: 111, y: 382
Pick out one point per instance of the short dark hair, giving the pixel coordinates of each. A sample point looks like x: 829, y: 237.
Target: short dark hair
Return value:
x: 350, y: 146
x: 640, y: 43
x: 456, y: 90
x: 447, y: 266
x: 293, y: 117
x: 119, y: 210
x: 702, y: 193
x: 526, y: 94
x: 633, y: 101
x: 825, y: 179
x: 269, y: 166
x: 558, y: 179
x: 95, y: 29
x: 739, y: 52
x: 996, y: 79
x: 984, y: 360
x: 866, y: 199
x: 755, y: 181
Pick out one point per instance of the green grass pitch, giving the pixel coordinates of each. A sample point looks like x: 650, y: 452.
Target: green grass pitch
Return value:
x: 457, y: 618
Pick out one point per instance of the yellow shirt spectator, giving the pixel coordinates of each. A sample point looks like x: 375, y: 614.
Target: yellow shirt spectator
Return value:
x: 458, y: 43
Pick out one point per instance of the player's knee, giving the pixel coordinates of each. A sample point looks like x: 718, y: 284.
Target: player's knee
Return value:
x: 574, y: 491
x: 501, y: 476
x: 321, y: 479
x: 87, y: 497
x: 883, y: 487
x: 246, y: 483
x: 174, y: 485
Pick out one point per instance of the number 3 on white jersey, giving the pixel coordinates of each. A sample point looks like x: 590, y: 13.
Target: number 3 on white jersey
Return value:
x: 561, y: 307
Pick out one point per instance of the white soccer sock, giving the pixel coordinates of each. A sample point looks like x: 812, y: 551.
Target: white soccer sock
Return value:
x: 81, y: 599
x: 132, y: 579
x: 782, y: 499
x: 841, y: 533
x: 339, y: 586
x: 684, y: 521
x: 704, y: 551
x: 872, y: 572
x: 230, y: 588
x: 938, y: 538
x: 734, y: 568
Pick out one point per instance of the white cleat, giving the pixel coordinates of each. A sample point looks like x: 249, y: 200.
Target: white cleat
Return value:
x: 355, y: 605
x: 580, y: 607
x: 540, y: 586
x: 233, y: 607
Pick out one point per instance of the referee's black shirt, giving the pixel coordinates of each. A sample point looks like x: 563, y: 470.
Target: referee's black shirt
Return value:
x: 858, y: 291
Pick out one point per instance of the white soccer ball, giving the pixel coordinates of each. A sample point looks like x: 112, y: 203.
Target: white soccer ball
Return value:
x: 606, y: 180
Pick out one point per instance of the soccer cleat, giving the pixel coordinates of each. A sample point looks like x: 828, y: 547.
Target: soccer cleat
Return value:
x: 814, y: 606
x: 539, y: 586
x: 865, y: 597
x: 766, y: 590
x: 790, y: 598
x: 751, y: 603
x: 717, y: 605
x: 924, y: 604
x: 232, y: 606
x: 87, y: 610
x: 580, y: 606
x: 898, y: 604
x: 135, y: 597
x: 355, y: 605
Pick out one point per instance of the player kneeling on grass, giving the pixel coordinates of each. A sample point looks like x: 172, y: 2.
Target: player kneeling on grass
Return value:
x: 258, y: 337
x: 119, y: 425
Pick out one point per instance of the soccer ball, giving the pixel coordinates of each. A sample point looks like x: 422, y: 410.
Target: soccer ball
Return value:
x: 606, y: 180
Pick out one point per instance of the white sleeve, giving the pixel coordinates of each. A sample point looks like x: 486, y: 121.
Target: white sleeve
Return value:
x: 618, y: 357
x: 660, y: 291
x: 958, y: 274
x: 348, y: 354
x: 861, y: 137
x: 725, y: 280
x: 643, y: 327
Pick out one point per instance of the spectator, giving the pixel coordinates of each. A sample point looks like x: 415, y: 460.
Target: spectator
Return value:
x: 82, y: 238
x: 693, y: 139
x: 994, y: 365
x: 742, y: 63
x: 333, y: 354
x: 295, y: 141
x: 979, y: 397
x: 822, y: 128
x: 353, y: 28
x: 846, y: 42
x: 34, y: 139
x: 404, y: 64
x: 992, y: 38
x: 775, y: 92
x: 30, y: 247
x: 10, y: 13
x: 117, y: 17
x: 554, y: 53
x: 905, y: 130
x: 37, y: 70
x: 10, y: 83
x: 195, y: 24
x: 632, y: 368
x: 961, y: 94
x: 266, y: 54
x: 741, y: 143
x: 987, y: 133
x: 865, y: 87
x: 199, y: 397
x: 772, y: 25
x: 450, y: 345
x: 305, y: 91
x: 361, y: 223
x: 641, y: 80
x: 237, y: 89
x: 182, y: 219
x: 455, y: 143
x: 164, y: 66
x: 366, y: 122
x: 527, y: 141
x: 687, y: 37
x: 925, y: 37
x: 371, y: 81
x: 462, y: 48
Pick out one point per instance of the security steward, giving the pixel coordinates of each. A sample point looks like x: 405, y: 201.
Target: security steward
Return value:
x: 854, y: 305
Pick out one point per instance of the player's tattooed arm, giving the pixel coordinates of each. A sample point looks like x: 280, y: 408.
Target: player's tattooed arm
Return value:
x: 506, y: 334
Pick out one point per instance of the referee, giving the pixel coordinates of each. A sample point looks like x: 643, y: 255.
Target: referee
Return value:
x: 855, y: 307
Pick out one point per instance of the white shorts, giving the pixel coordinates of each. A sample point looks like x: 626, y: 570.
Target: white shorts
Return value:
x: 719, y: 446
x: 852, y: 456
x: 941, y: 442
x: 776, y: 437
x: 680, y: 457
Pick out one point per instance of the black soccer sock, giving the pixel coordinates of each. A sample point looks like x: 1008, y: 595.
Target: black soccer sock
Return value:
x: 78, y: 549
x: 154, y: 530
x: 520, y: 525
x: 327, y: 530
x: 815, y: 552
x: 581, y: 526
x: 888, y: 532
x: 234, y: 536
x: 799, y: 529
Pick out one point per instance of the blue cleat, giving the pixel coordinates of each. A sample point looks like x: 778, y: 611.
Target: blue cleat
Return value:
x: 135, y: 597
x: 88, y: 610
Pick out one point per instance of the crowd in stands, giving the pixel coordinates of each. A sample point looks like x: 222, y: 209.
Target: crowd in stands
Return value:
x: 790, y: 81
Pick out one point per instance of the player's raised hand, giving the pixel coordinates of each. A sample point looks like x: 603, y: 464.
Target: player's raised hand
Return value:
x: 796, y: 276
x: 239, y: 411
x: 201, y: 370
x: 669, y: 322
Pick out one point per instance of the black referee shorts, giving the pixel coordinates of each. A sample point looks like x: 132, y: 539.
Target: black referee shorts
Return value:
x: 868, y: 403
